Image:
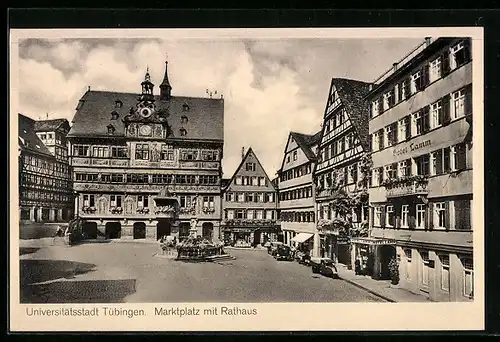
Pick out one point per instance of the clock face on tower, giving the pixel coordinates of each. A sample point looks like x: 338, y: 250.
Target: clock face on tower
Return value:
x: 145, y: 130
x: 146, y: 112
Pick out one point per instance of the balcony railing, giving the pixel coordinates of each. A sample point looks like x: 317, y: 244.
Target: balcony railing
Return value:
x: 406, y: 188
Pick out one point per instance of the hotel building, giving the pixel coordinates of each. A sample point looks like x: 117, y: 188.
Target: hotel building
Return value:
x: 421, y: 183
x: 147, y: 165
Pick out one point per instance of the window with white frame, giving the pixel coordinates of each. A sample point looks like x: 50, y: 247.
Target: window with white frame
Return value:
x: 269, y: 214
x: 258, y: 214
x: 250, y: 214
x: 437, y: 162
x: 239, y: 180
x: 435, y: 70
x: 262, y: 181
x: 445, y: 272
x: 88, y: 200
x: 425, y: 267
x: 458, y: 104
x: 404, y: 168
x: 437, y: 114
x: 389, y: 136
x: 116, y: 201
x: 208, y: 202
x: 405, y: 210
x: 389, y: 216
x: 403, y: 129
x: 415, y: 81
x: 250, y: 166
x: 230, y: 214
x: 458, y: 55
x: 404, y: 89
x: 241, y: 197
x: 439, y: 218
x: 294, y: 155
x: 458, y: 157
x: 468, y: 276
x: 375, y: 141
x: 420, y: 219
x: 255, y: 180
x: 390, y: 171
x: 389, y: 99
x: 408, y: 256
x: 375, y: 177
x: 375, y: 108
x: 377, y: 216
x: 422, y: 165
x: 142, y: 201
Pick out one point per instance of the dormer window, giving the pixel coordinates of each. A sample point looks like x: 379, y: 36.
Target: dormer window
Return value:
x: 183, y: 132
x: 118, y: 104
x: 185, y: 107
x: 111, y: 129
x: 114, y: 115
x: 184, y: 119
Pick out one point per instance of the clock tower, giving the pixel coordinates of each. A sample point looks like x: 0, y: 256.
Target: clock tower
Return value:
x: 146, y: 120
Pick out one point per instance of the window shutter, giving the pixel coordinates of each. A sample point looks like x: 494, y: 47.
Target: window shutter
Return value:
x: 425, y: 119
x: 445, y: 64
x: 425, y: 77
x: 468, y: 101
x: 400, y: 92
x: 407, y: 87
x: 393, y: 96
x: 381, y: 104
x: 381, y: 139
x: 411, y: 216
x: 447, y: 215
x: 446, y: 110
x: 408, y: 127
x: 460, y: 155
x: 372, y: 218
x: 467, y: 49
x: 430, y: 216
x: 382, y: 218
x: 397, y: 216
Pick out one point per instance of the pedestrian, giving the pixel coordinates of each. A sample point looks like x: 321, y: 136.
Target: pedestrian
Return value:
x: 357, y: 267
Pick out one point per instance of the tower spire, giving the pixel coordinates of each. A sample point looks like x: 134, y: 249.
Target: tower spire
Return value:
x: 147, y: 87
x: 165, y: 87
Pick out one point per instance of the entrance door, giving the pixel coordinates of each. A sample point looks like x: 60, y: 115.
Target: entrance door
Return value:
x: 256, y: 237
x: 35, y: 214
x: 386, y: 254
x: 163, y: 227
x: 139, y: 230
x: 113, y: 230
x: 90, y: 230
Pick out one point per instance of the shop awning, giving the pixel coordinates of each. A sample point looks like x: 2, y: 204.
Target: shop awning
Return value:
x: 302, y: 237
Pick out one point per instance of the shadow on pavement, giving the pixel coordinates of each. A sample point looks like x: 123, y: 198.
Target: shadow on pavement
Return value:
x: 63, y: 289
x: 27, y: 250
x: 80, y: 291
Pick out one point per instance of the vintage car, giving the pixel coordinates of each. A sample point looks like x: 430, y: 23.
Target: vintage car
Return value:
x: 324, y: 266
x: 305, y: 259
x: 271, y: 249
x: 283, y: 252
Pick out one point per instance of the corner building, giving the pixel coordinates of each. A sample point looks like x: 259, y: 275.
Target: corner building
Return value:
x: 147, y: 165
x: 421, y: 182
x: 45, y: 189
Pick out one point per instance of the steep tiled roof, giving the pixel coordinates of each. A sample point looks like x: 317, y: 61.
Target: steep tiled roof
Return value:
x: 352, y: 93
x: 93, y: 115
x: 28, y: 139
x: 48, y: 125
x: 306, y: 141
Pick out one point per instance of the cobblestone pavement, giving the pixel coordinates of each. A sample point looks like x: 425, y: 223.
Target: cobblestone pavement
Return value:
x: 129, y: 272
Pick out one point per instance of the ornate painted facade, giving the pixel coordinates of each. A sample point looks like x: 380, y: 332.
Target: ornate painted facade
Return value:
x: 147, y: 165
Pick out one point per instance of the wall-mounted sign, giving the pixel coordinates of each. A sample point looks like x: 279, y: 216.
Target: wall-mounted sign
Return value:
x: 411, y: 147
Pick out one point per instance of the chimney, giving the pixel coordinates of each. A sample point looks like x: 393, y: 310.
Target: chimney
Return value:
x: 395, y: 66
x: 427, y: 41
x: 242, y: 153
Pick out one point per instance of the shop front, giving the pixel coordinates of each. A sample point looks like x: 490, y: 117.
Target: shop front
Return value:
x: 304, y: 242
x: 371, y: 256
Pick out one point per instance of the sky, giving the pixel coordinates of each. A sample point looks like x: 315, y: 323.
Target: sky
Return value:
x: 270, y: 86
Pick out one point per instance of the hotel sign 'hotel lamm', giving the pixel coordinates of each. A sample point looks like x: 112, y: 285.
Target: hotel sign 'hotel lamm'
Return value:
x: 144, y: 165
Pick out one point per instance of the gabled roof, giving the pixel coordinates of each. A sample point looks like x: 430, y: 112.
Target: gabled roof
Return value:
x: 352, y: 93
x: 27, y: 138
x: 205, y: 115
x: 306, y: 141
x: 49, y: 125
x: 243, y: 160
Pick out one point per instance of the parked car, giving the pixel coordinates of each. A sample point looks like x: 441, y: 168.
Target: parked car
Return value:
x: 324, y: 266
x: 271, y: 249
x: 283, y: 252
x: 305, y: 259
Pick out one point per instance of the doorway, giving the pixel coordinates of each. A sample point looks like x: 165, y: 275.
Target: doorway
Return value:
x: 163, y: 227
x: 139, y: 230
x: 208, y: 230
x: 386, y: 254
x: 256, y: 237
x: 90, y: 230
x: 113, y: 230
